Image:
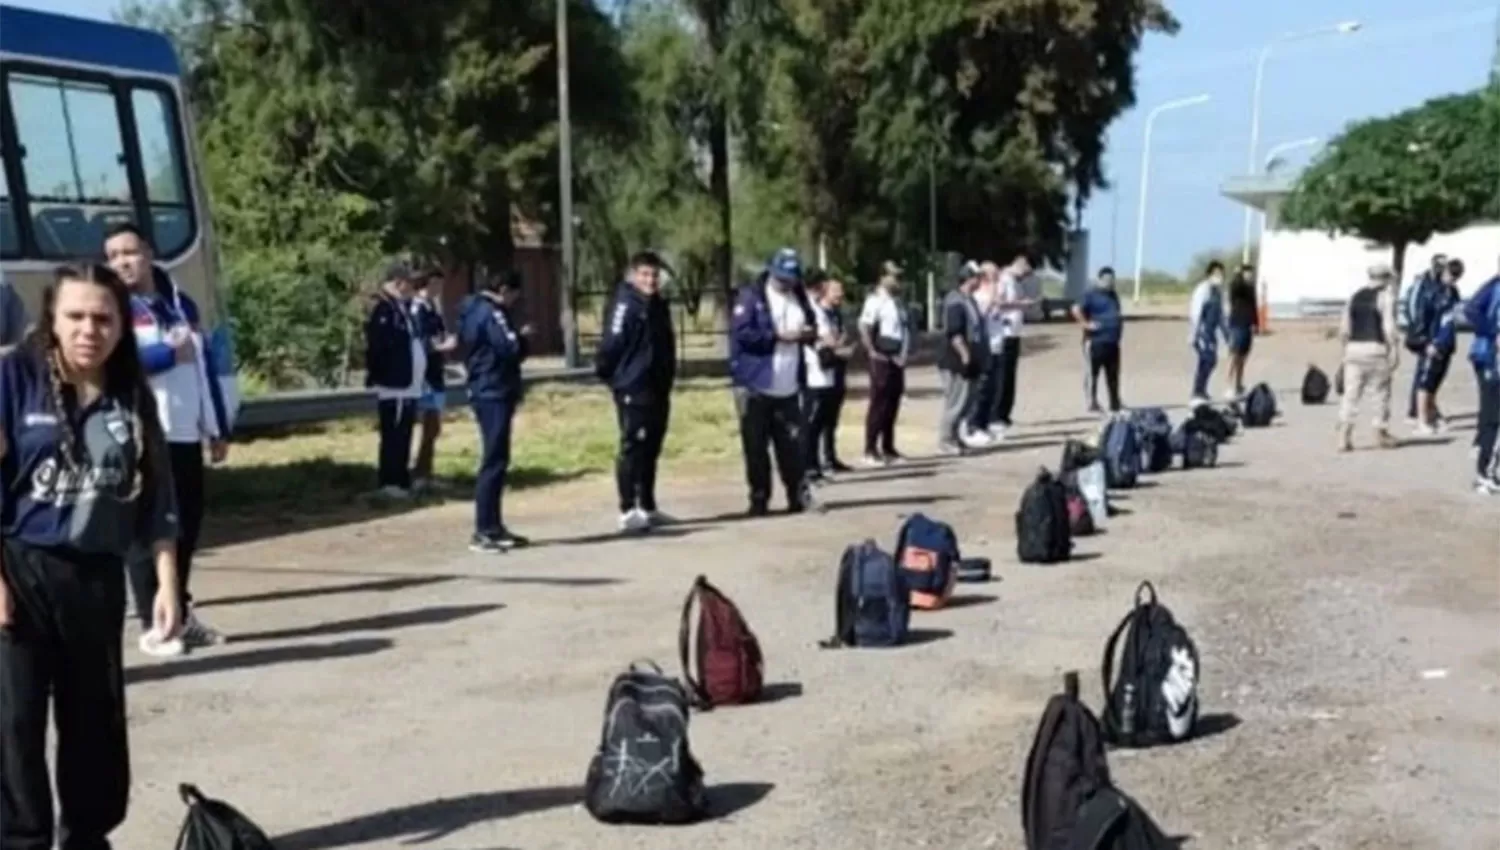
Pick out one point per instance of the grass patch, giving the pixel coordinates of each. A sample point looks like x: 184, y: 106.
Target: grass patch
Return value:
x: 562, y: 432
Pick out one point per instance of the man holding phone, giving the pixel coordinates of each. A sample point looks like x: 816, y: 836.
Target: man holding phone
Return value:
x: 773, y: 322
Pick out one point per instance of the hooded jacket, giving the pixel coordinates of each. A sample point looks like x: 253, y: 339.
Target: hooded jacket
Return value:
x: 637, y: 357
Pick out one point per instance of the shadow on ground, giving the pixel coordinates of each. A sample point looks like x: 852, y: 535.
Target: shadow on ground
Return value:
x: 378, y: 623
x: 258, y: 502
x: 218, y: 662
x: 438, y: 819
x: 376, y: 582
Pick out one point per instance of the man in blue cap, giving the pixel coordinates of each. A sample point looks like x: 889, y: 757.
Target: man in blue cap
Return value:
x: 772, y: 324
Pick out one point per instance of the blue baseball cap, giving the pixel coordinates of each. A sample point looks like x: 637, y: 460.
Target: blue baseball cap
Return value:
x: 785, y: 265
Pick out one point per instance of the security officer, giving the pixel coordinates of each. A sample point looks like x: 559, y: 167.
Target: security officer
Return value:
x: 637, y: 358
x: 493, y: 351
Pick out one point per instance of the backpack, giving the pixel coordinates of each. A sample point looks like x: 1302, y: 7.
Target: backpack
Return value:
x: 873, y: 606
x: 1076, y: 454
x: 1260, y: 406
x: 1151, y: 697
x: 215, y: 825
x: 1068, y: 801
x: 1122, y: 454
x: 1197, y: 448
x: 1213, y: 422
x: 1315, y: 385
x: 1153, y: 431
x: 1091, y: 484
x: 927, y: 552
x: 1043, y: 533
x: 731, y: 669
x: 644, y: 770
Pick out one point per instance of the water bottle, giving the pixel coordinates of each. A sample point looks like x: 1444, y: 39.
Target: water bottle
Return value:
x: 1127, y: 711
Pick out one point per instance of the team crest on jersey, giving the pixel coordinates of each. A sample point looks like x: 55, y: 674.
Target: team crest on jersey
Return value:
x: 118, y: 428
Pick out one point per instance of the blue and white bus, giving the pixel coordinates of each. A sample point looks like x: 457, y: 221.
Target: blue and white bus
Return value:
x: 95, y: 129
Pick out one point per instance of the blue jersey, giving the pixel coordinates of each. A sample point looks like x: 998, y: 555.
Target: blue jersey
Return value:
x: 1102, y: 307
x: 97, y: 506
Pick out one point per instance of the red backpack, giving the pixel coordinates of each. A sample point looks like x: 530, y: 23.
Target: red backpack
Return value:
x: 729, y: 665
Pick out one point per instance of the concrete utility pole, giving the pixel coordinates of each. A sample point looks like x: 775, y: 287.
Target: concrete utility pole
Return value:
x: 565, y: 178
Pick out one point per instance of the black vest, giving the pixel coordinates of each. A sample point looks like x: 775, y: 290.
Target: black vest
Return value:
x: 1365, y: 322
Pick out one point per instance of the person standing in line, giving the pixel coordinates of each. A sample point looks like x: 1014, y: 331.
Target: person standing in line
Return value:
x: 1240, y: 329
x: 884, y: 330
x: 12, y: 316
x: 427, y: 315
x: 987, y: 386
x: 771, y: 324
x: 1098, y: 312
x: 1011, y: 301
x: 1205, y: 324
x: 1368, y: 334
x: 834, y: 340
x: 1416, y: 313
x: 494, y: 348
x: 395, y: 365
x: 961, y: 362
x: 637, y: 358
x: 1483, y: 313
x: 1430, y: 335
x: 84, y: 480
x: 183, y: 379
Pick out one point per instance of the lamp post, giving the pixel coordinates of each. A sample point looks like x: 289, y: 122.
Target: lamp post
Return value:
x: 565, y: 179
x: 931, y: 239
x: 1345, y: 28
x: 1140, y: 221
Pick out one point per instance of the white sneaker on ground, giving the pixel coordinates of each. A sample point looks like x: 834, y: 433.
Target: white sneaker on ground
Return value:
x: 152, y: 644
x: 871, y: 462
x: 1199, y: 401
x: 1422, y: 429
x: 391, y: 491
x: 1232, y: 395
x: 976, y: 439
x: 634, y: 521
x: 997, y: 433
x: 1487, y: 486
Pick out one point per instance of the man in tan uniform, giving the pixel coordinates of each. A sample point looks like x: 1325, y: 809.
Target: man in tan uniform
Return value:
x: 1369, y: 336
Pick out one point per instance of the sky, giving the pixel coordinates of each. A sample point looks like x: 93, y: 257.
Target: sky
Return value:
x: 1405, y: 52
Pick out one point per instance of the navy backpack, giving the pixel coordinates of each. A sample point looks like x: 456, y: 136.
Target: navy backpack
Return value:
x: 873, y: 607
x: 927, y: 553
x: 1154, y: 433
x: 1121, y: 452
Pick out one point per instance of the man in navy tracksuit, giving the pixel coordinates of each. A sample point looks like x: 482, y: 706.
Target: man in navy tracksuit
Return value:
x: 1430, y: 306
x: 395, y: 365
x: 494, y: 348
x: 1483, y: 312
x: 637, y: 358
x: 772, y: 323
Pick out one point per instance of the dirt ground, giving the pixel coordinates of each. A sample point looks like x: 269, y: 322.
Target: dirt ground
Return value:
x: 385, y: 687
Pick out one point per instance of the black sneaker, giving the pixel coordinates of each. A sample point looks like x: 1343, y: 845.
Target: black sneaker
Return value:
x: 486, y: 544
x: 758, y: 509
x: 840, y: 466
x: 510, y: 540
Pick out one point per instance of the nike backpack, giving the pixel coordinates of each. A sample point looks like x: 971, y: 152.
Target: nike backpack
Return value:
x: 1068, y: 801
x: 1315, y: 385
x: 644, y: 770
x: 215, y: 825
x: 1260, y: 406
x: 727, y: 656
x: 1043, y: 531
x: 872, y: 601
x: 927, y: 552
x: 1122, y: 454
x: 1151, y: 677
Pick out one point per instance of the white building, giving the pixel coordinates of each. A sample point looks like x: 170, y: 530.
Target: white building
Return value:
x: 1306, y: 271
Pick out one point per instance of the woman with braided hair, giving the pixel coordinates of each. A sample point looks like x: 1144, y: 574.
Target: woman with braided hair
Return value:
x: 84, y: 477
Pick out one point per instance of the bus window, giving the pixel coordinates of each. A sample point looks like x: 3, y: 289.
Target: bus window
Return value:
x: 163, y: 166
x: 10, y: 236
x: 73, y: 159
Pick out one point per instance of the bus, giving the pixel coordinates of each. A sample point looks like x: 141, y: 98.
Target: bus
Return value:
x: 95, y: 130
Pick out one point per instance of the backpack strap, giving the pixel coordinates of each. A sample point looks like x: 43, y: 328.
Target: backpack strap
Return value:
x: 1109, y: 665
x: 1096, y: 818
x: 1145, y: 586
x: 696, y: 691
x: 842, y: 616
x: 1051, y: 719
x: 190, y: 793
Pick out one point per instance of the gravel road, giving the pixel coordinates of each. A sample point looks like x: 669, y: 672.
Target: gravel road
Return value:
x: 385, y: 687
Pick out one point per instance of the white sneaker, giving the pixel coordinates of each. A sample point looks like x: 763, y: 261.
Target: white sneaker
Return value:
x: 871, y: 462
x: 391, y: 491
x: 1487, y: 486
x: 976, y: 439
x: 152, y: 643
x: 1424, y: 430
x: 1199, y: 401
x: 634, y: 521
x: 997, y: 433
x: 196, y: 633
x: 1232, y: 395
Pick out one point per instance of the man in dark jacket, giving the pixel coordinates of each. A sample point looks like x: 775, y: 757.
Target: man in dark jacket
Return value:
x: 638, y: 360
x: 772, y: 323
x: 395, y: 362
x: 494, y: 348
x: 1433, y: 343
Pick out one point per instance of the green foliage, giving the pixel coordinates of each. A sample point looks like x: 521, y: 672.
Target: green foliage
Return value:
x: 1400, y: 180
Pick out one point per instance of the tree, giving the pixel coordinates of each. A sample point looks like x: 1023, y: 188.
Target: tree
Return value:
x: 1399, y: 180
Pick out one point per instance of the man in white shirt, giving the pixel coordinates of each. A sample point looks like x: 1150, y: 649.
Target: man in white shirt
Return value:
x: 772, y: 323
x: 1012, y: 303
x: 884, y: 331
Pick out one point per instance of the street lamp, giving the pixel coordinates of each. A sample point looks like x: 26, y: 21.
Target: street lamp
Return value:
x: 565, y: 178
x: 1278, y: 150
x: 1140, y: 222
x: 1345, y: 28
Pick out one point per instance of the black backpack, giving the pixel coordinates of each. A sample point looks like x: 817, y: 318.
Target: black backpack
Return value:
x: 1260, y: 406
x: 644, y: 770
x: 1214, y: 423
x: 1153, y: 432
x: 1067, y: 799
x: 1315, y: 386
x: 1043, y: 531
x: 1198, y: 449
x: 215, y: 825
x: 1151, y: 690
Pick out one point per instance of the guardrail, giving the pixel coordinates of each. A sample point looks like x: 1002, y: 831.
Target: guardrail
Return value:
x: 305, y: 407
